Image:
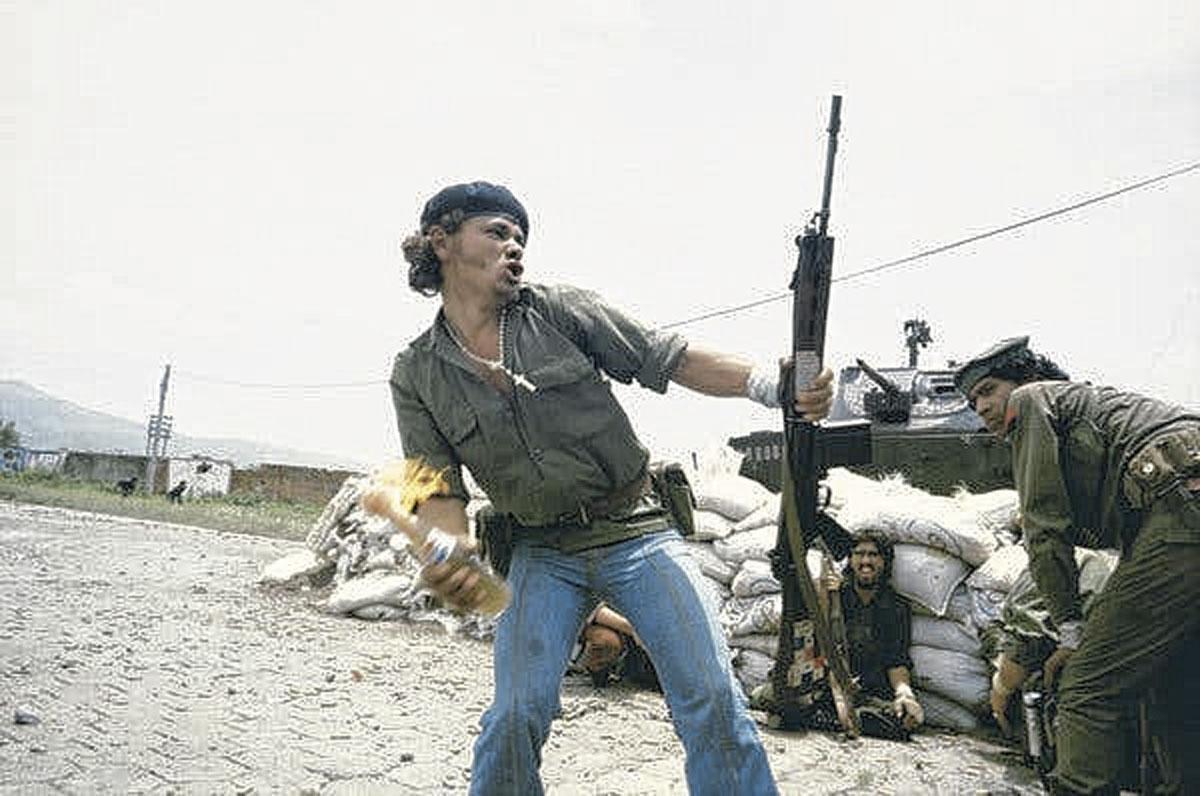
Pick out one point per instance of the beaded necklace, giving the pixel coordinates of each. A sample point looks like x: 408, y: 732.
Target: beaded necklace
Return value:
x: 493, y: 365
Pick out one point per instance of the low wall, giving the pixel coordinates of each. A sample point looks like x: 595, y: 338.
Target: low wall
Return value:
x: 204, y: 476
x: 104, y: 467
x: 289, y: 482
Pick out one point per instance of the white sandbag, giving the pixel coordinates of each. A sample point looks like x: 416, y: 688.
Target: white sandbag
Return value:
x: 927, y: 575
x: 997, y: 510
x: 754, y: 575
x: 711, y: 565
x: 709, y: 525
x: 755, y: 578
x: 762, y: 643
x: 378, y: 612
x: 294, y: 568
x: 959, y: 608
x: 730, y: 495
x: 1001, y: 570
x: 752, y: 668
x: 945, y: 634
x: 946, y: 714
x: 739, y: 547
x: 905, y: 514
x: 742, y: 616
x: 714, y: 594
x: 986, y: 606
x: 380, y: 559
x: 960, y: 678
x: 322, y: 536
x: 376, y: 587
x: 713, y: 461
x: 766, y: 514
x: 722, y: 590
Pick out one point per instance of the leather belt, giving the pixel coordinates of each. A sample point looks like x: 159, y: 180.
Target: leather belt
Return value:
x: 615, y: 502
x: 625, y: 499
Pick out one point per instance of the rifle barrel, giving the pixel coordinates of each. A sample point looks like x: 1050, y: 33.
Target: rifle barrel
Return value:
x: 835, y: 125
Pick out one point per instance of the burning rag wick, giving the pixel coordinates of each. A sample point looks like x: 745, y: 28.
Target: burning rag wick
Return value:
x: 415, y: 480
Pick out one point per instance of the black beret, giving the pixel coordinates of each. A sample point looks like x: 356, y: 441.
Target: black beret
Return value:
x: 1003, y: 352
x: 475, y: 199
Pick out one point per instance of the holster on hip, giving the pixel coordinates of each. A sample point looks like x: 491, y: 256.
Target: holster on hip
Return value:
x: 671, y: 485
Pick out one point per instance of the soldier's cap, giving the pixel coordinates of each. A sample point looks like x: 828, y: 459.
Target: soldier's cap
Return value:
x: 999, y: 355
x: 475, y: 199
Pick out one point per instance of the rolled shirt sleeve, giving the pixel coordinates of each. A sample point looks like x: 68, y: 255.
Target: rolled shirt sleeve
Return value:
x: 621, y: 346
x: 1045, y: 502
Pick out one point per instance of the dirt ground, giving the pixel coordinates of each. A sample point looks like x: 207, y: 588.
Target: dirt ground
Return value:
x: 141, y: 657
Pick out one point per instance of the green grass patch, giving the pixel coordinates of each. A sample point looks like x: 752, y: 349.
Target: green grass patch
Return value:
x: 236, y: 513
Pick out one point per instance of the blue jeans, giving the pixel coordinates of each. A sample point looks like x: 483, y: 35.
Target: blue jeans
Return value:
x: 657, y: 586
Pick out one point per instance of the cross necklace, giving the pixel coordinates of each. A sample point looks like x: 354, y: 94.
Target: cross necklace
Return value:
x: 493, y: 365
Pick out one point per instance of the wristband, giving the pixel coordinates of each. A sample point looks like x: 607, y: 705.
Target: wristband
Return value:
x: 1070, y: 634
x: 762, y: 386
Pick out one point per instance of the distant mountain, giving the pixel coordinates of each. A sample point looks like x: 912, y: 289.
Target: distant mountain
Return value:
x: 47, y: 422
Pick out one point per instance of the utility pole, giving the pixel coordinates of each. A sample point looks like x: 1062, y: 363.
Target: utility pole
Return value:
x: 916, y: 337
x: 158, y: 433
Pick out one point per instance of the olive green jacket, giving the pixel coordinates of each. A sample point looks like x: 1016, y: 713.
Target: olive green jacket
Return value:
x: 1071, y: 447
x: 538, y: 455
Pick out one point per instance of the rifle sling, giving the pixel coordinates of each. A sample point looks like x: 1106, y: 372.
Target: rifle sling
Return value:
x: 839, y: 667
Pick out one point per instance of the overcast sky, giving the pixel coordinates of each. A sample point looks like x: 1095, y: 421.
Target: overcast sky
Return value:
x: 223, y: 186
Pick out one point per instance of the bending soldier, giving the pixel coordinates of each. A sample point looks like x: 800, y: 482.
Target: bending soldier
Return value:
x: 1127, y: 466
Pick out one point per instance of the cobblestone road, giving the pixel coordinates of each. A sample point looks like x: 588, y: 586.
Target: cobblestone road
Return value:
x: 154, y: 664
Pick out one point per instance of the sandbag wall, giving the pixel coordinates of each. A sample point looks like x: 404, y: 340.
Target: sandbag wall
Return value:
x: 944, y: 565
x: 955, y: 561
x: 373, y: 572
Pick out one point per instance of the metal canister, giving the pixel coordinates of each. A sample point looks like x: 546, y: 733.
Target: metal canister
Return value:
x: 1031, y: 709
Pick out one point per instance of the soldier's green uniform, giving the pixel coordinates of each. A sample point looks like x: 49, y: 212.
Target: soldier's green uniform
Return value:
x: 1094, y: 457
x: 1097, y: 467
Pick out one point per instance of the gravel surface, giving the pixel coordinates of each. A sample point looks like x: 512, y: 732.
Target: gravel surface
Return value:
x: 141, y: 657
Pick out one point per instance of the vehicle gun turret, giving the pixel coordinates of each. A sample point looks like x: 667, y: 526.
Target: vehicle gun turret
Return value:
x: 889, y: 403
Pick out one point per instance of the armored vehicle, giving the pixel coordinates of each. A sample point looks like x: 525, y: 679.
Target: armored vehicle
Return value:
x: 921, y: 426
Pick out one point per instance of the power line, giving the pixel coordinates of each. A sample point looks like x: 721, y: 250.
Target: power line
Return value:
x: 948, y: 246
x: 779, y: 296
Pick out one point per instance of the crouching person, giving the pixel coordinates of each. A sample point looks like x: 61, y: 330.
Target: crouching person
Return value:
x: 878, y: 634
x: 609, y: 651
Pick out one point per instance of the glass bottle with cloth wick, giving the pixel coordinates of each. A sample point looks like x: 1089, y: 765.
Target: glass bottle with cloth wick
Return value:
x: 394, y: 494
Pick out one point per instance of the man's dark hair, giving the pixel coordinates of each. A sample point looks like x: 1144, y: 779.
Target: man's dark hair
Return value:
x: 1027, y: 366
x: 882, y: 544
x: 424, y: 268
